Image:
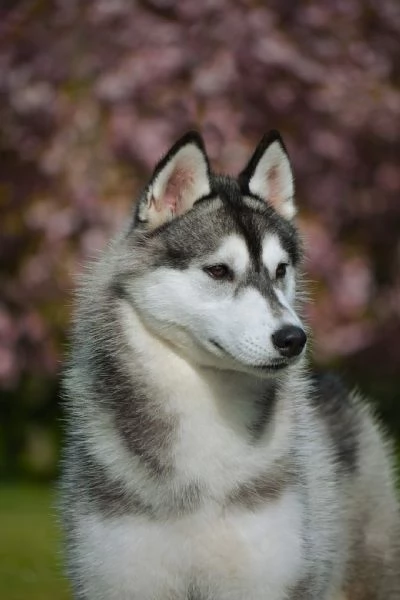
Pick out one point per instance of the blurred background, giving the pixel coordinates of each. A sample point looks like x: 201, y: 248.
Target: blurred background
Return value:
x: 91, y: 95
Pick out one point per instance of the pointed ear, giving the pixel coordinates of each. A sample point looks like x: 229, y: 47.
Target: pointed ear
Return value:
x: 269, y: 175
x: 180, y: 178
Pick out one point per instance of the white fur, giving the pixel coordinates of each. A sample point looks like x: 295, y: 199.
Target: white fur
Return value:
x: 232, y: 252
x: 240, y: 555
x: 213, y: 446
x: 273, y: 253
x: 280, y: 196
x: 209, y: 448
x: 188, y: 308
x: 292, y: 317
x: 191, y: 310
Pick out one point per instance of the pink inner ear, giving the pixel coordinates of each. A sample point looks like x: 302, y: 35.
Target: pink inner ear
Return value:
x: 180, y: 180
x: 274, y: 191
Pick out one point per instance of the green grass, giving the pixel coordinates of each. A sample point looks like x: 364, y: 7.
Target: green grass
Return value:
x: 29, y: 545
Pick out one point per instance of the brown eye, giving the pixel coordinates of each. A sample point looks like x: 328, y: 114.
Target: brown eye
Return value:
x: 281, y: 271
x: 219, y: 272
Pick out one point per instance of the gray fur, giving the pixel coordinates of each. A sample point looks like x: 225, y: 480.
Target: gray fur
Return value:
x: 265, y: 488
x: 195, y: 593
x: 334, y: 460
x: 343, y: 426
x: 264, y: 409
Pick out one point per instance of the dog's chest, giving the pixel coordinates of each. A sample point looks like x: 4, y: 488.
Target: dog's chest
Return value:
x: 231, y: 554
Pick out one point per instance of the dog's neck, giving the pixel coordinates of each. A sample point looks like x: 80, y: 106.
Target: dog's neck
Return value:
x: 243, y: 400
x: 197, y: 424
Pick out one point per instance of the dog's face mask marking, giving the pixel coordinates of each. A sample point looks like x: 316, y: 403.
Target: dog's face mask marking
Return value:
x: 221, y: 288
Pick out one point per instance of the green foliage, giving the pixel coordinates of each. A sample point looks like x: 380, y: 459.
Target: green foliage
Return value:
x: 29, y: 546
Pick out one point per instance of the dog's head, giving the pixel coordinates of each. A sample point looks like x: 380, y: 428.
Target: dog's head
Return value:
x: 216, y: 259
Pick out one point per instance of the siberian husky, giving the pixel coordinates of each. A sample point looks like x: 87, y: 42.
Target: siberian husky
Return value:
x: 203, y: 460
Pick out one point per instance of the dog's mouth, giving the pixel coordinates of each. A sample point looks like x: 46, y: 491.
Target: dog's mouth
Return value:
x: 274, y: 365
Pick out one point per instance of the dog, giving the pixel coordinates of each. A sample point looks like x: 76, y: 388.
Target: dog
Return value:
x: 203, y: 459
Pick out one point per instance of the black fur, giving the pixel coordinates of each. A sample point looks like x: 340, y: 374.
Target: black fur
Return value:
x: 93, y: 484
x: 194, y: 593
x: 266, y: 141
x: 192, y: 137
x: 332, y: 399
x: 146, y: 432
x: 265, y: 409
x: 199, y: 235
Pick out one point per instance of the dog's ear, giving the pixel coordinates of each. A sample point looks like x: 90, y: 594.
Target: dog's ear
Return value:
x: 268, y: 175
x: 180, y: 178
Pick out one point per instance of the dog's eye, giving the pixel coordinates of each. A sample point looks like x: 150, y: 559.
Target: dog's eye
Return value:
x: 281, y: 270
x: 219, y: 272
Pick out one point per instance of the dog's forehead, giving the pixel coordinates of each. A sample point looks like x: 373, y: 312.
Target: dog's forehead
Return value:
x: 214, y: 225
x: 241, y: 225
x: 234, y: 249
x: 246, y: 229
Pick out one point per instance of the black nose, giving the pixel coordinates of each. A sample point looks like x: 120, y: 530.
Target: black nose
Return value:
x: 289, y: 340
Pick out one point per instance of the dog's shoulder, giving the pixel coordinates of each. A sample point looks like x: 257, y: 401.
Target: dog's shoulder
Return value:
x: 334, y: 403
